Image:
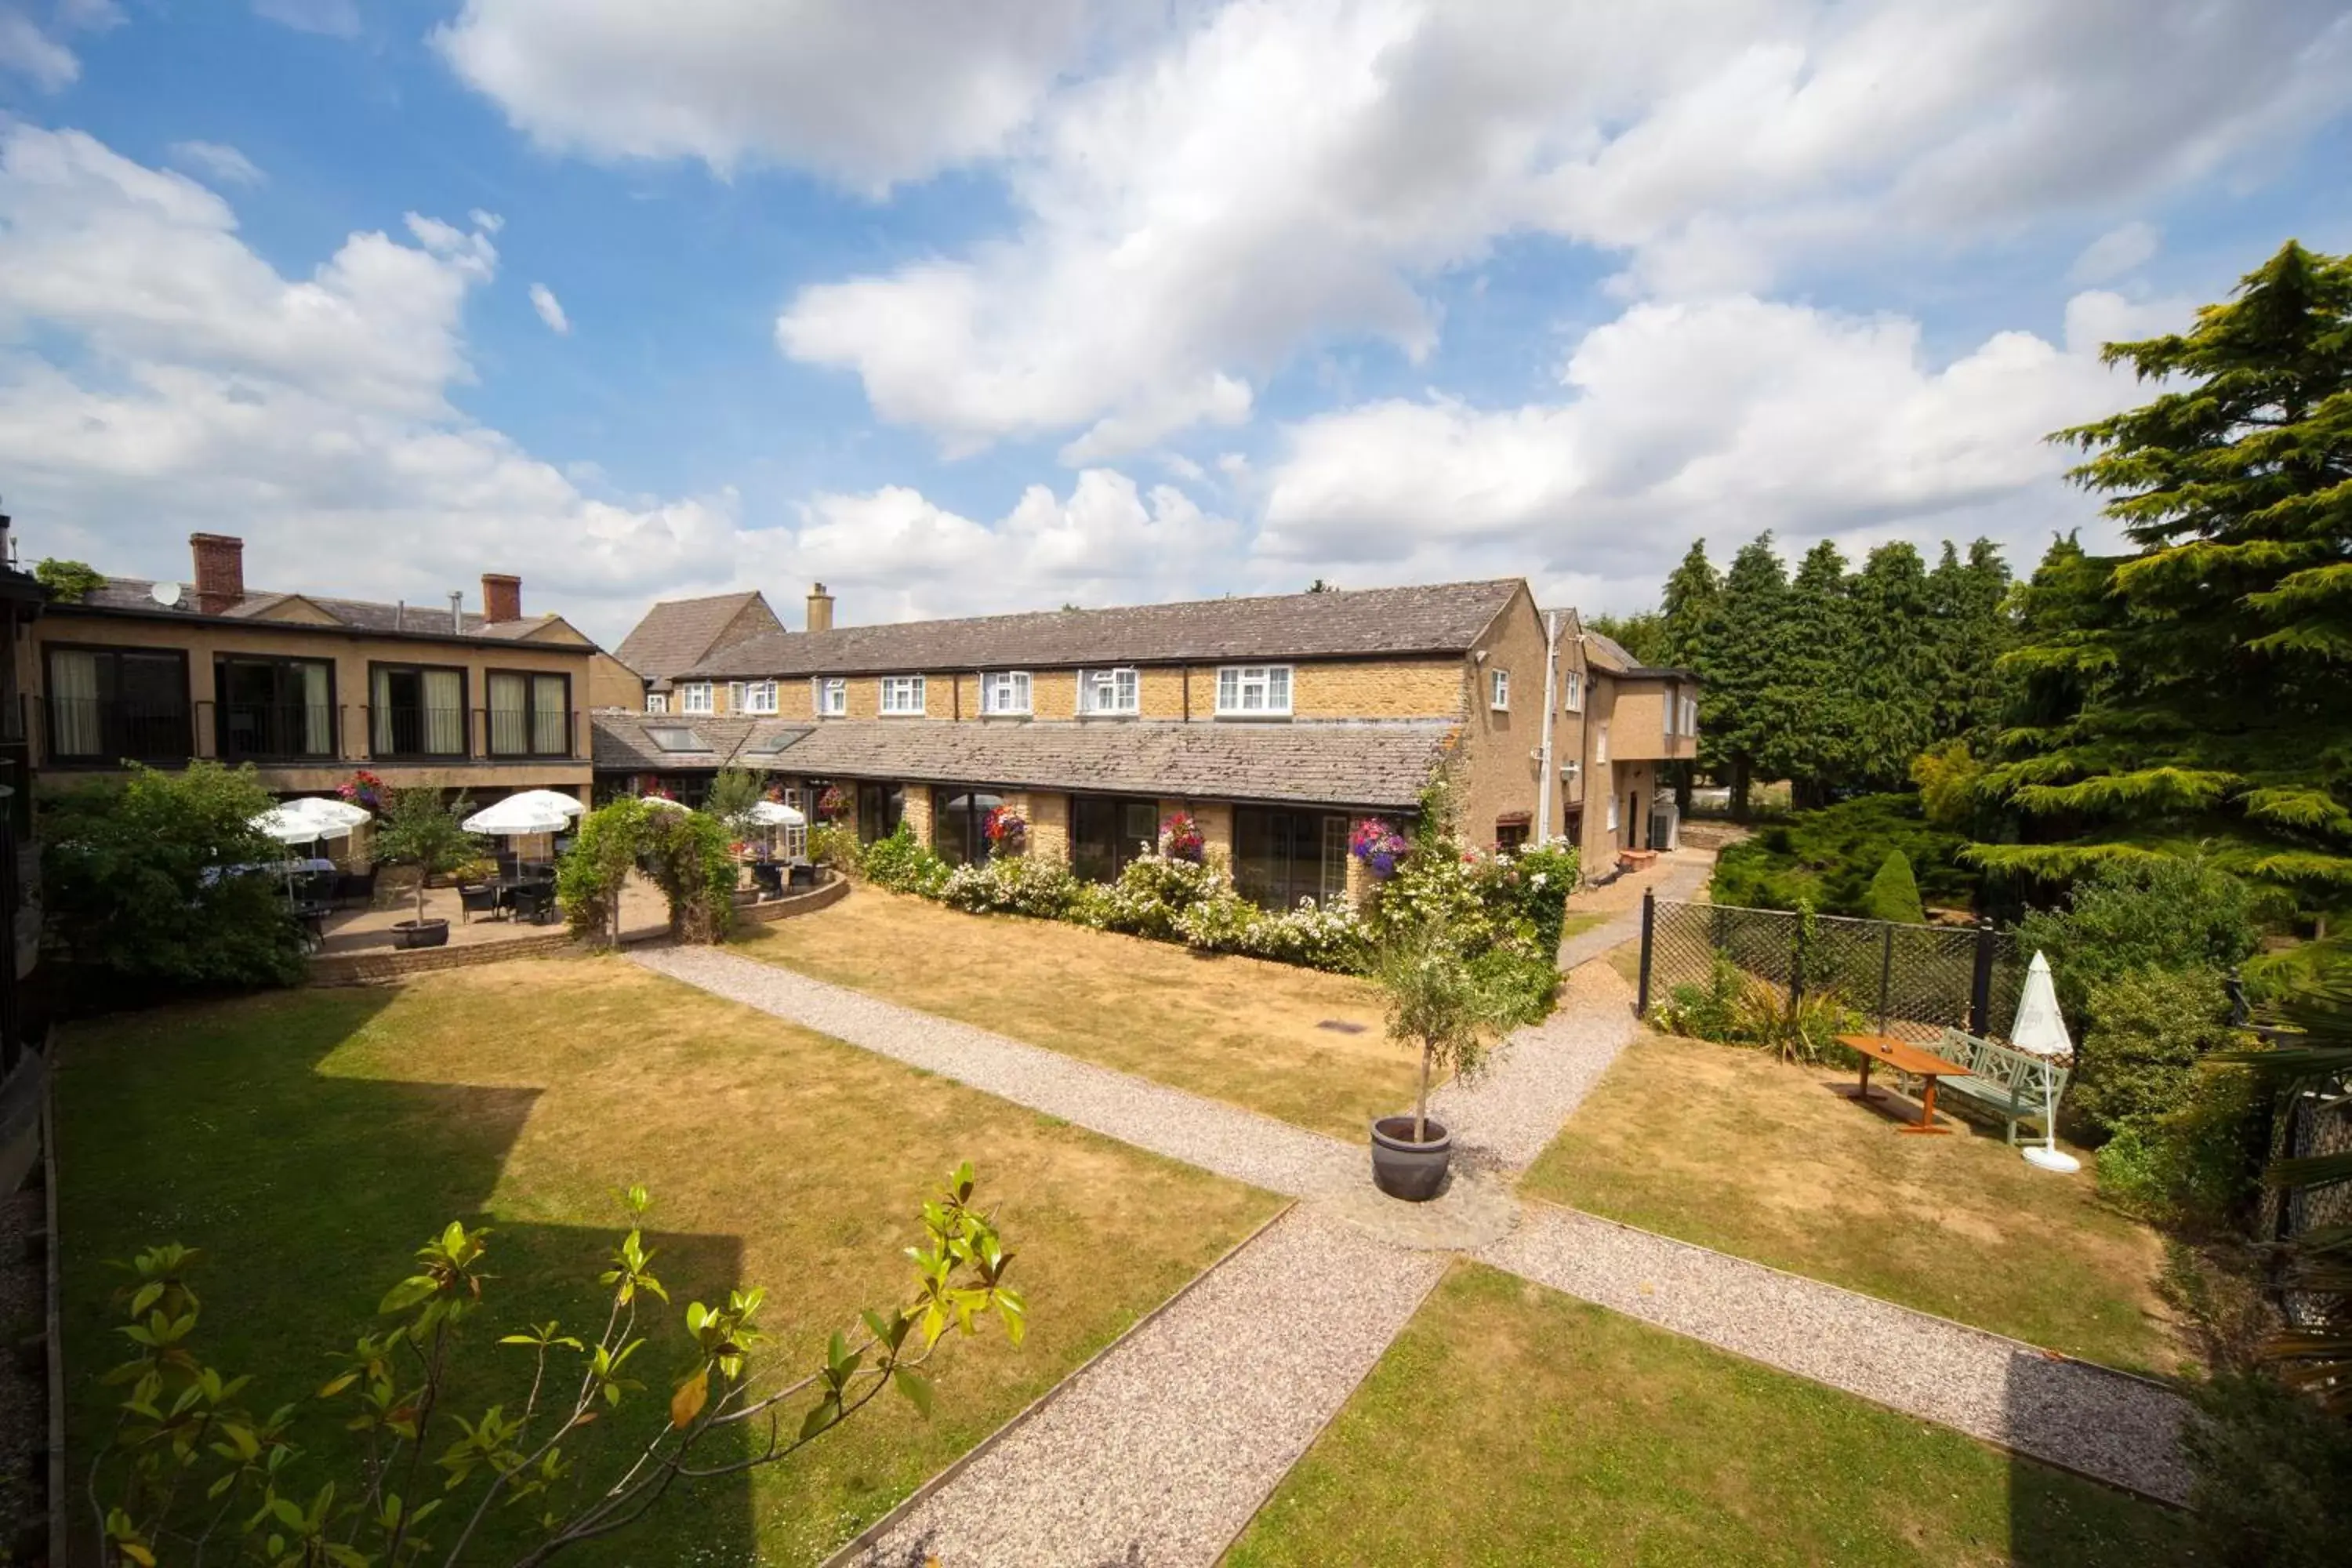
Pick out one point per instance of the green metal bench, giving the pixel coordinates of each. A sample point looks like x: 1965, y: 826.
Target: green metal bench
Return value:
x: 2008, y: 1082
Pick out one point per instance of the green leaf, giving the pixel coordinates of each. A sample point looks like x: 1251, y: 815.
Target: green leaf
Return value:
x: 916, y: 1387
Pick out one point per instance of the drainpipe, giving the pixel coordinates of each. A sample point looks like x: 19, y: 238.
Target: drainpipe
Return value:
x: 1543, y: 753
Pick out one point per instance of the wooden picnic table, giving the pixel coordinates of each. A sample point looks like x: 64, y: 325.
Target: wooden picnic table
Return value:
x: 1905, y: 1057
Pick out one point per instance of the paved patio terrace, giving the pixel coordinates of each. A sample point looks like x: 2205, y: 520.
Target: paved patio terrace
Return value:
x: 644, y: 912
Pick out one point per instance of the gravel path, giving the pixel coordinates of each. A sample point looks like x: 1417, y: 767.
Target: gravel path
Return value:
x: 1161, y: 1451
x: 2104, y: 1424
x: 1680, y: 875
x: 1541, y: 1074
x: 1204, y: 1132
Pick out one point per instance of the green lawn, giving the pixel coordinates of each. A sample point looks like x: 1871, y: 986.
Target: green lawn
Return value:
x: 309, y: 1140
x: 1511, y: 1424
x: 1729, y: 1148
x: 1238, y: 1029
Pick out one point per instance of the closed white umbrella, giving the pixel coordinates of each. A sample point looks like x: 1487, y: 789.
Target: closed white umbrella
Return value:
x: 310, y: 818
x: 531, y: 811
x: 774, y: 813
x: 2041, y: 1031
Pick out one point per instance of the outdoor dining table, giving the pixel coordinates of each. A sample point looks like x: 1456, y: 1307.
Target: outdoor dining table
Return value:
x: 1905, y: 1057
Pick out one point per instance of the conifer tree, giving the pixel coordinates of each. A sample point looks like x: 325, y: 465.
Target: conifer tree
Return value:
x: 1746, y: 690
x: 1814, y: 748
x: 1893, y: 670
x: 1691, y: 624
x: 2197, y: 691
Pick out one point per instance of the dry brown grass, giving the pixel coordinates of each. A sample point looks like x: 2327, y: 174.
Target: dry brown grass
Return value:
x: 314, y: 1137
x: 1727, y: 1147
x: 1237, y: 1029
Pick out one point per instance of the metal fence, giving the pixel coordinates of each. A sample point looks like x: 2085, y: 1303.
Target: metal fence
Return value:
x: 1914, y: 981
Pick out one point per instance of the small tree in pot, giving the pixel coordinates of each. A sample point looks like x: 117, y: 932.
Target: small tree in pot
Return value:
x: 1441, y: 1003
x: 417, y: 829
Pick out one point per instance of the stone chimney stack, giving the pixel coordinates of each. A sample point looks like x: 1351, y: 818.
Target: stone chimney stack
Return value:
x: 820, y: 609
x: 501, y: 597
x: 220, y: 571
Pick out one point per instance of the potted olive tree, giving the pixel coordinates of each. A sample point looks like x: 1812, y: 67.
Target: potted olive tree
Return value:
x: 1440, y: 1005
x: 417, y: 829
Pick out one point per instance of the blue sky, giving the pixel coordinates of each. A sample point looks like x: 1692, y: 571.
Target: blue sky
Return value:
x: 992, y: 305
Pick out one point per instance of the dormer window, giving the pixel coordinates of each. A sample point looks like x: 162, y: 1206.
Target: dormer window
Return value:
x: 831, y: 696
x: 1253, y: 690
x: 1109, y: 691
x: 902, y: 695
x: 1005, y: 693
x: 694, y: 696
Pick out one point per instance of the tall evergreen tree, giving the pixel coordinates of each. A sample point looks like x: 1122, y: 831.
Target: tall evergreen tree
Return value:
x: 1814, y: 748
x: 2197, y: 691
x: 1894, y: 666
x: 1969, y: 602
x: 1691, y: 624
x: 1740, y: 703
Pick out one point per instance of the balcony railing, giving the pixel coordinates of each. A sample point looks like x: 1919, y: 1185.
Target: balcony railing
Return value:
x: 529, y: 732
x: 418, y: 734
x: 277, y: 731
x: 102, y: 730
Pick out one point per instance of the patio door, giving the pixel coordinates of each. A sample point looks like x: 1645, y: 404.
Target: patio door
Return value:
x: 960, y: 825
x: 880, y: 809
x: 1106, y: 833
x: 1282, y: 856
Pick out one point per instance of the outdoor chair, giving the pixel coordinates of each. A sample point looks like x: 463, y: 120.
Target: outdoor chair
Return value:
x: 477, y: 898
x: 2008, y: 1083
x: 355, y: 890
x: 535, y: 904
x: 768, y: 877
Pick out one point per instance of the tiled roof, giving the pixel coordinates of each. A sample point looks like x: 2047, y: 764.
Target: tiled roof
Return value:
x: 624, y: 742
x: 1382, y: 765
x: 1441, y: 618
x: 677, y: 633
x: 137, y: 595
x: 1613, y: 652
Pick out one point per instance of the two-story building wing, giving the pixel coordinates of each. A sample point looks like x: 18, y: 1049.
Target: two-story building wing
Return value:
x: 1280, y: 723
x: 1621, y: 721
x: 307, y: 687
x: 675, y: 635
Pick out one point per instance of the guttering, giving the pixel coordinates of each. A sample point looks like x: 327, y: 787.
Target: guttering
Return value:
x: 1543, y: 752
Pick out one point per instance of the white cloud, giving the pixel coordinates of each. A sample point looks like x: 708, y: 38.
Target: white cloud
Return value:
x: 202, y: 390
x: 1268, y: 176
x: 551, y: 310
x: 1718, y: 419
x: 2116, y: 252
x: 36, y: 50
x: 217, y: 160
x: 869, y: 94
x: 333, y: 18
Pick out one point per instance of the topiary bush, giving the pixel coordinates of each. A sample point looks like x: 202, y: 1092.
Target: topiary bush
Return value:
x: 1894, y: 894
x: 1828, y: 857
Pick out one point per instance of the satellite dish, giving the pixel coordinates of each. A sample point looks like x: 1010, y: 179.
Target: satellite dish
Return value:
x: 165, y: 593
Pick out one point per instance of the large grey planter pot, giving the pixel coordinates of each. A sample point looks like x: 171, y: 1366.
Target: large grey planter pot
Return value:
x: 1404, y: 1169
x: 420, y: 934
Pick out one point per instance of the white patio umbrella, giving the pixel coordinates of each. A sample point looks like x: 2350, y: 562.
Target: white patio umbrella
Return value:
x: 309, y: 819
x: 774, y: 813
x: 2041, y: 1032
x: 531, y: 811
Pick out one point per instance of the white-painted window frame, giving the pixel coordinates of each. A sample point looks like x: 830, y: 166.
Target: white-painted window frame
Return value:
x: 1125, y: 683
x: 829, y: 695
x: 695, y: 697
x: 1498, y: 691
x: 901, y: 696
x: 759, y: 697
x: 1601, y: 742
x: 1235, y: 682
x: 657, y: 702
x: 1006, y: 693
x: 1571, y: 692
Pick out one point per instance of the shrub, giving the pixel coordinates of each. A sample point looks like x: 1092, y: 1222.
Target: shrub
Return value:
x: 2173, y: 912
x: 830, y: 844
x: 2196, y: 1165
x: 68, y: 582
x: 1946, y: 776
x: 1702, y: 1012
x: 589, y: 880
x: 1153, y: 889
x: 1222, y: 922
x: 1735, y: 1007
x: 692, y: 860
x: 2272, y: 1474
x: 131, y: 910
x: 1330, y: 936
x: 1894, y: 895
x: 1830, y: 855
x: 1040, y: 887
x: 2151, y: 1026
x: 903, y: 865
x: 1524, y: 982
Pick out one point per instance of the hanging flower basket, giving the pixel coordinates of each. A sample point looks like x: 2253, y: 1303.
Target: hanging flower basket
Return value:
x: 362, y: 789
x: 833, y: 804
x: 1008, y: 834
x: 1379, y: 845
x: 1179, y: 837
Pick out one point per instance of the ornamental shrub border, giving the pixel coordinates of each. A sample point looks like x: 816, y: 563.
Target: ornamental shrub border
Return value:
x: 1507, y: 908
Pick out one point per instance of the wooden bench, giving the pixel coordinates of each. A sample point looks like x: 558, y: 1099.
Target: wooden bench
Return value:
x: 2008, y: 1082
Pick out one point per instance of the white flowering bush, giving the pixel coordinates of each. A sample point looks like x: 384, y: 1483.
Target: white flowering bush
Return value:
x: 1036, y: 885
x: 1318, y: 936
x: 1154, y: 889
x: 1220, y: 924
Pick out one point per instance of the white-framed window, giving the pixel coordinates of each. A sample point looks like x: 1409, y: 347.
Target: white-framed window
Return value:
x: 657, y: 702
x: 694, y: 696
x: 1601, y: 742
x: 1253, y: 689
x: 1498, y: 691
x: 1672, y: 709
x: 1612, y: 814
x: 830, y: 695
x: 1111, y: 692
x: 735, y: 697
x: 759, y: 697
x: 1572, y: 692
x: 902, y: 694
x: 1690, y: 715
x: 1004, y: 691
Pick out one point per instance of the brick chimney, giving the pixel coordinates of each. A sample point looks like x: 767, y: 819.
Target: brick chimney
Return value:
x: 820, y: 609
x: 220, y: 571
x: 501, y: 597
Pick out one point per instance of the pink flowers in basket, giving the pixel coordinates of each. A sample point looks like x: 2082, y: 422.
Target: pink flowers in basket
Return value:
x: 1379, y: 845
x: 362, y: 789
x: 1180, y: 839
x: 1007, y: 830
